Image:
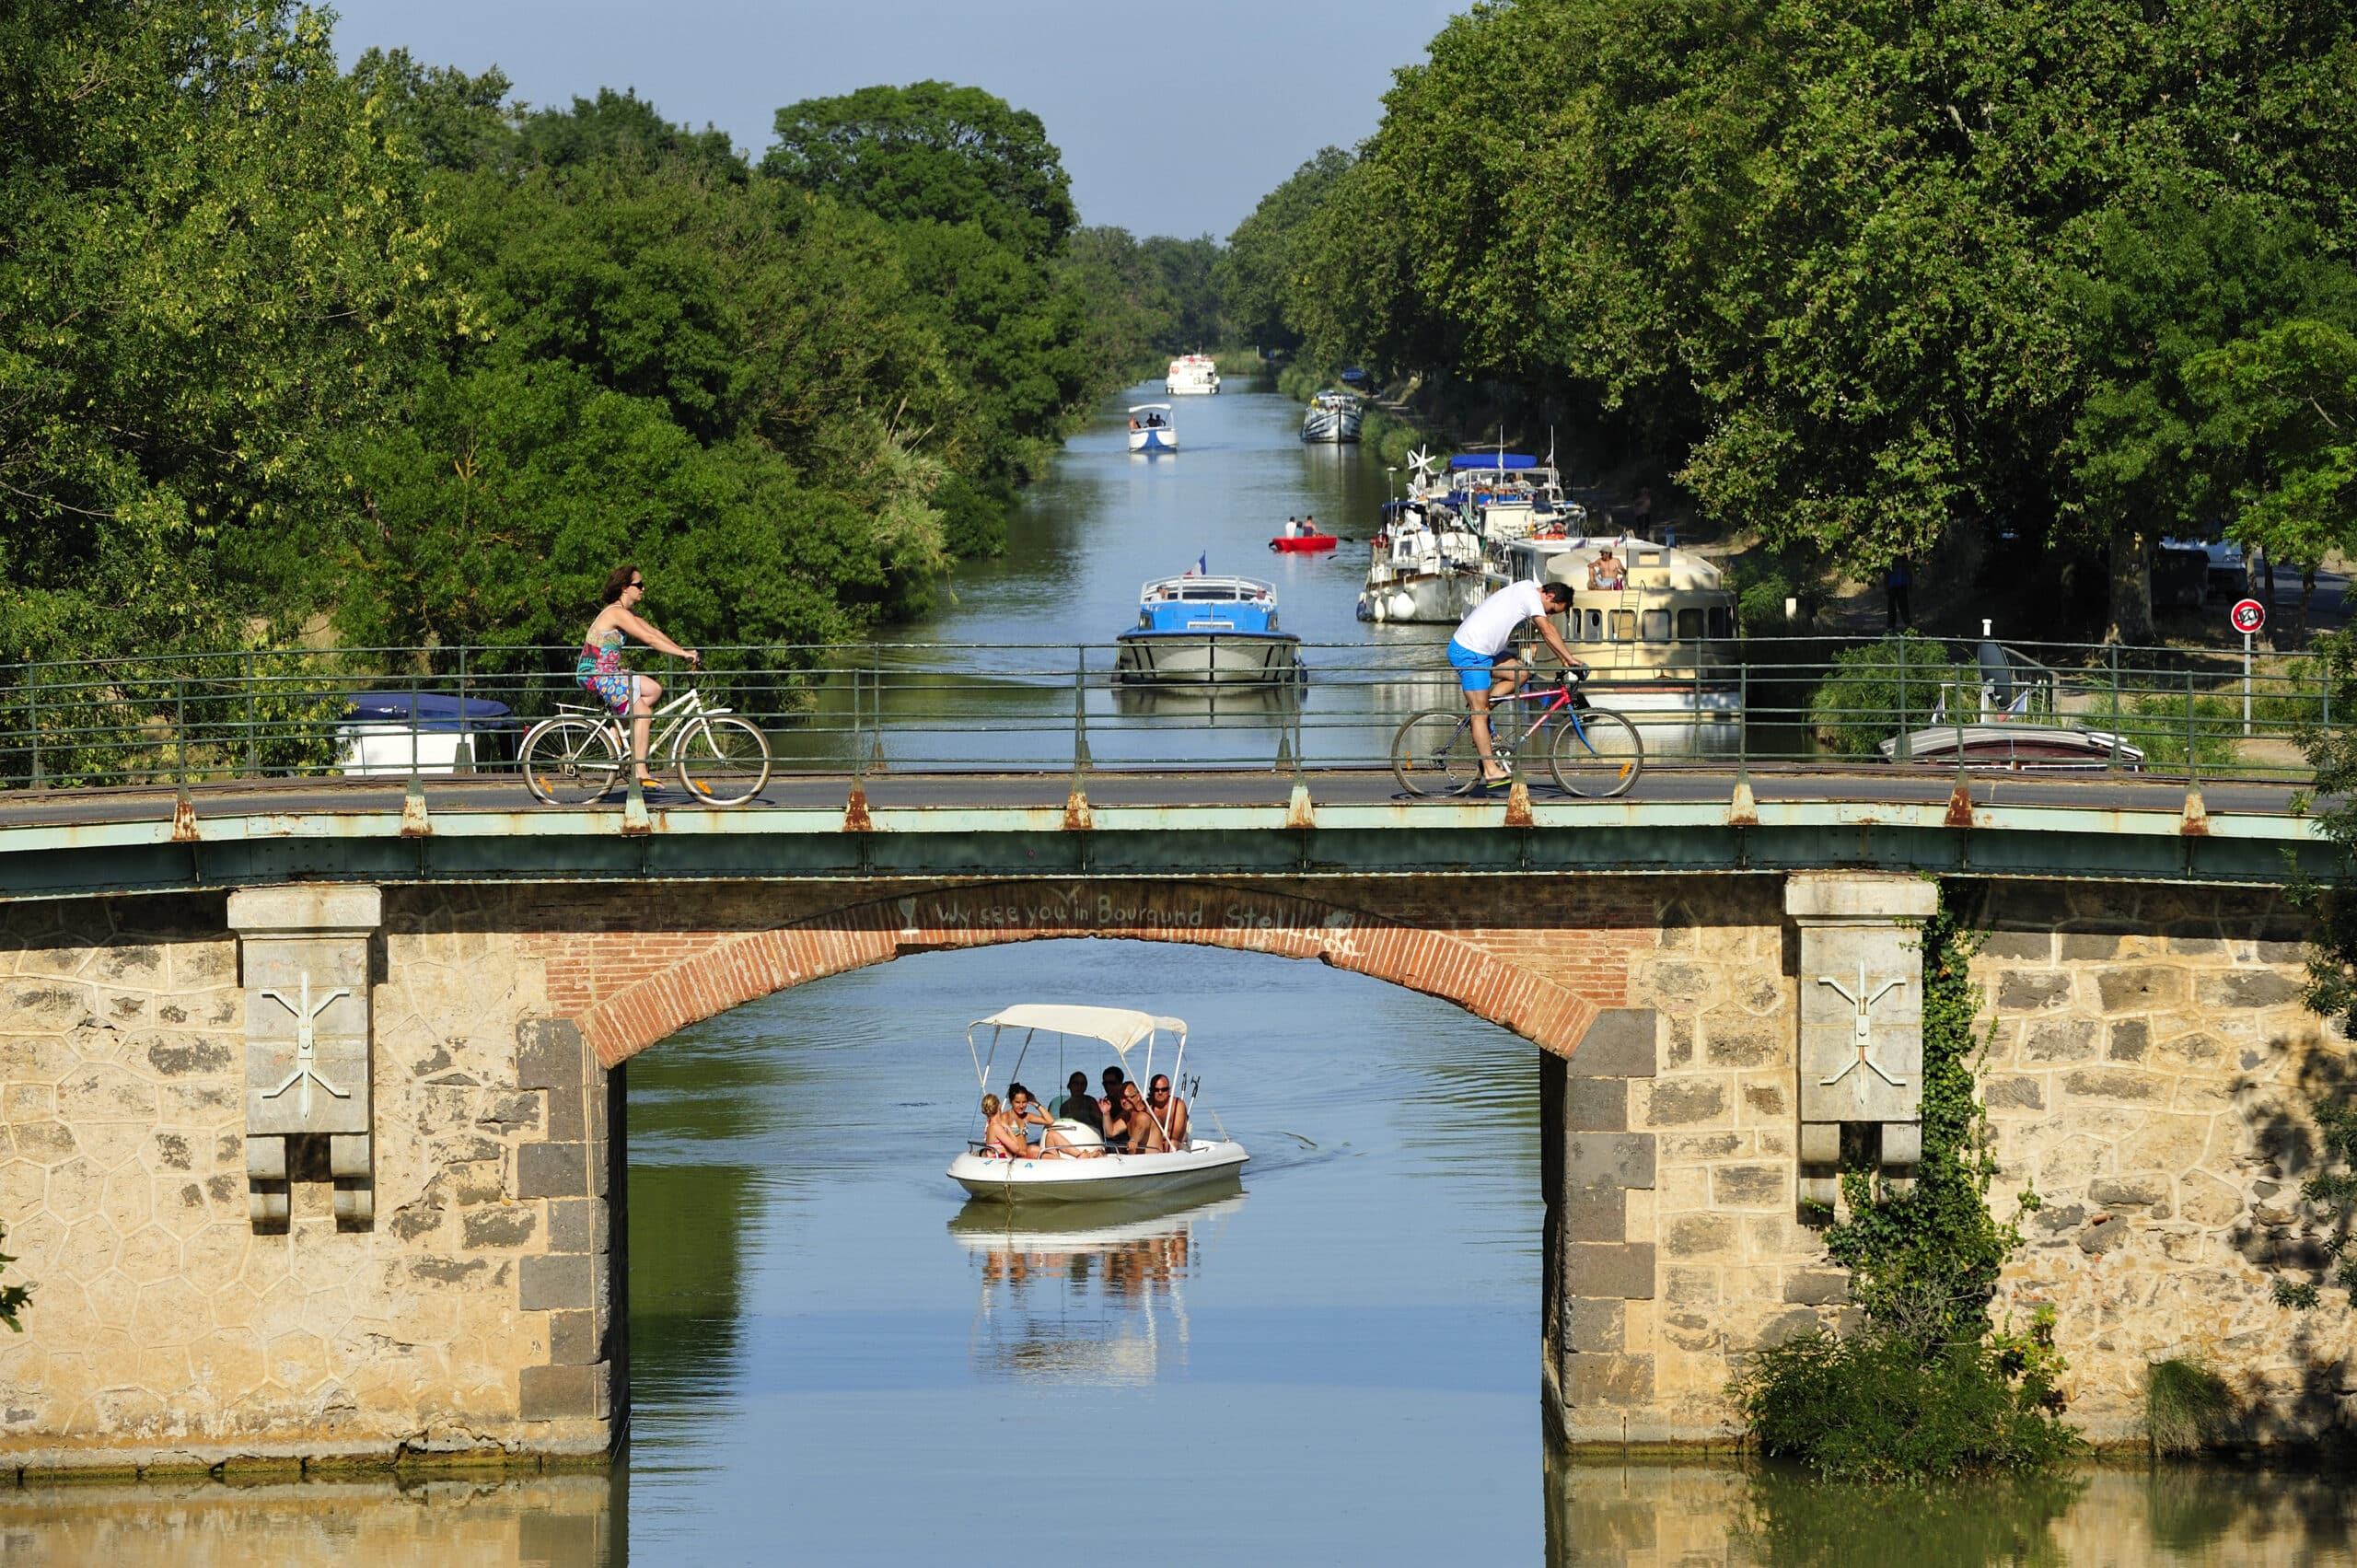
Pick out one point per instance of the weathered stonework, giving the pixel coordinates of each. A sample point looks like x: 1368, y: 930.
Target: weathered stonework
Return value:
x: 2147, y: 1044
x: 2145, y: 1078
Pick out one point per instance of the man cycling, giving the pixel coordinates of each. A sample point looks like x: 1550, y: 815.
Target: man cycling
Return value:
x: 1482, y: 655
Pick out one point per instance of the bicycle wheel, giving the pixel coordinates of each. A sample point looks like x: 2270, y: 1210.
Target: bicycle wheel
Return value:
x: 1433, y: 753
x: 572, y: 761
x: 723, y: 762
x: 1597, y: 757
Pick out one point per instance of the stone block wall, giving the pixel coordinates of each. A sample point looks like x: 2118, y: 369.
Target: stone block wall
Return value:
x: 469, y: 1320
x: 2147, y: 1069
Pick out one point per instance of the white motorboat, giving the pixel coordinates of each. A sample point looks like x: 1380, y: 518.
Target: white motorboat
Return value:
x: 1197, y: 629
x: 1203, y: 1163
x: 1426, y: 566
x: 1334, y: 416
x: 1150, y: 430
x: 1192, y: 376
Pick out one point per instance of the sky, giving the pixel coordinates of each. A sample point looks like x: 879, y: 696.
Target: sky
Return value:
x: 1173, y: 118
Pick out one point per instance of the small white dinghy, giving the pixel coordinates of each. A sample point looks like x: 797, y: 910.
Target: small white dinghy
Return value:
x: 1089, y: 1178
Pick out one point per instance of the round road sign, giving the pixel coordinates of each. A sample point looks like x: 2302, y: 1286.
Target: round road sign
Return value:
x: 2249, y: 615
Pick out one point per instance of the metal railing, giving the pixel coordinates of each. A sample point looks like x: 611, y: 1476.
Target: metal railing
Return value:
x: 868, y: 707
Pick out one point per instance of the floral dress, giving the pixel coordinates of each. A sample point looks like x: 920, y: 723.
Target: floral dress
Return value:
x: 600, y: 670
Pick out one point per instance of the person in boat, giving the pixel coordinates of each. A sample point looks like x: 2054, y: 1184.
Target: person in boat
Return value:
x: 1121, y: 1131
x: 1482, y: 655
x: 1604, y: 571
x: 1309, y: 526
x: 600, y: 668
x: 1169, y: 1110
x: 1001, y: 1134
x: 1078, y: 1105
x: 1110, y: 1100
x: 1134, y: 422
x: 1026, y: 1108
x: 1145, y: 1134
x: 1292, y: 526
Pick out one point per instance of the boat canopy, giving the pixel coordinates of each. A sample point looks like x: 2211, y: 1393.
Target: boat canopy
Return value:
x: 1120, y: 1027
x: 1465, y: 461
x: 1123, y: 1028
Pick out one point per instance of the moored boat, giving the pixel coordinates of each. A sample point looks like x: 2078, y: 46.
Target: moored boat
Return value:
x: 1426, y: 567
x: 1191, y: 375
x: 1197, y: 628
x: 1151, y: 429
x: 1656, y: 626
x: 1334, y: 416
x: 2017, y: 748
x: 1092, y: 1175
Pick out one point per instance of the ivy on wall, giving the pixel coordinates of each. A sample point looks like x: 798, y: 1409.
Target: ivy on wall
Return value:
x: 1926, y: 1385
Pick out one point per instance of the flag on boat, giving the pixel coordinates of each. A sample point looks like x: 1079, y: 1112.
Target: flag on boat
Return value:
x: 1201, y: 568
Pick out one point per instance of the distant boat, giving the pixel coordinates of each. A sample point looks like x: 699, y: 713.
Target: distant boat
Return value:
x: 1197, y: 629
x: 1332, y: 416
x: 1150, y: 430
x: 1191, y: 375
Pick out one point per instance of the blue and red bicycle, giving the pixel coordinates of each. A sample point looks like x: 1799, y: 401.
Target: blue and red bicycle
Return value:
x: 1590, y: 751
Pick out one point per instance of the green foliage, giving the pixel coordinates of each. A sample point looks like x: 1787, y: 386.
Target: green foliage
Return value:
x: 931, y: 153
x: 1874, y: 687
x: 1926, y: 1259
x: 2163, y: 723
x: 1927, y: 1386
x: 1256, y: 273
x: 1876, y: 272
x: 2187, y: 1406
x: 218, y: 268
x: 14, y: 1299
x: 1878, y: 1405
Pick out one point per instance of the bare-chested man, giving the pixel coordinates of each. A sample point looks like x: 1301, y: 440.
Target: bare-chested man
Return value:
x: 1169, y: 1110
x: 1145, y: 1137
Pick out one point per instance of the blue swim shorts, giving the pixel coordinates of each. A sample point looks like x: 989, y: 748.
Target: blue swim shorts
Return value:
x: 1473, y: 670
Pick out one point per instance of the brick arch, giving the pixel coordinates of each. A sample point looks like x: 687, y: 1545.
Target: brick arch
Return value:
x: 700, y: 974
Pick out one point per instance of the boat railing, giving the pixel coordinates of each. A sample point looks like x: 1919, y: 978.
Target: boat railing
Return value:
x: 1056, y: 709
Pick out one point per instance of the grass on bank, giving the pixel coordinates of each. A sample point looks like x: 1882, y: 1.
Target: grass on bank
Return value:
x: 2187, y: 1406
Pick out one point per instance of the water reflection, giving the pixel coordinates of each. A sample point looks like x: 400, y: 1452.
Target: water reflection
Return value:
x: 565, y: 1521
x: 1770, y: 1517
x: 1091, y: 1292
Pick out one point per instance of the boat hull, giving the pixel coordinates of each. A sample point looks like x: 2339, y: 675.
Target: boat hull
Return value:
x: 1331, y: 424
x: 1439, y: 599
x: 1312, y: 544
x: 1200, y: 658
x: 1203, y: 1164
x: 1153, y: 440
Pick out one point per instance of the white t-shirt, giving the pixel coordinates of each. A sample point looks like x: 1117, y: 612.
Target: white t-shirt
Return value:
x: 1490, y: 626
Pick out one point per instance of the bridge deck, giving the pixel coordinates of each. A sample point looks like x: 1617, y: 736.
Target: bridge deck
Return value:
x: 57, y: 844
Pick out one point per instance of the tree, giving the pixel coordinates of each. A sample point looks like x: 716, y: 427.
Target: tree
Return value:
x: 1828, y: 255
x: 2282, y: 410
x: 218, y: 265
x: 931, y: 152
x: 1255, y: 274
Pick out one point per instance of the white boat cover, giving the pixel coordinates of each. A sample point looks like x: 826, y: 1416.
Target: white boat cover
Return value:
x: 1120, y: 1027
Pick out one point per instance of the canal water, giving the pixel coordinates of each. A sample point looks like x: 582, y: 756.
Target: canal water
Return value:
x: 836, y: 1360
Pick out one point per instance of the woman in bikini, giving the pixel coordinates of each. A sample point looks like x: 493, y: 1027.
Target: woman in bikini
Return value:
x: 600, y: 668
x: 1001, y: 1134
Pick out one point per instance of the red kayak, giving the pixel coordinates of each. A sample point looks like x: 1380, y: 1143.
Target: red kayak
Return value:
x: 1306, y: 544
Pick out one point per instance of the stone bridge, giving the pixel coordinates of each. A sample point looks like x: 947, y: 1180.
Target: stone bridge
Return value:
x: 334, y: 1172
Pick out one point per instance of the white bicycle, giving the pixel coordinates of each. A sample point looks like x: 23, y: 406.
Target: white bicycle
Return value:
x: 576, y: 757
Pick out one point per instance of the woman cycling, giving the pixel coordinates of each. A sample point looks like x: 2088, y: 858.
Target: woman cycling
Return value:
x: 600, y: 666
